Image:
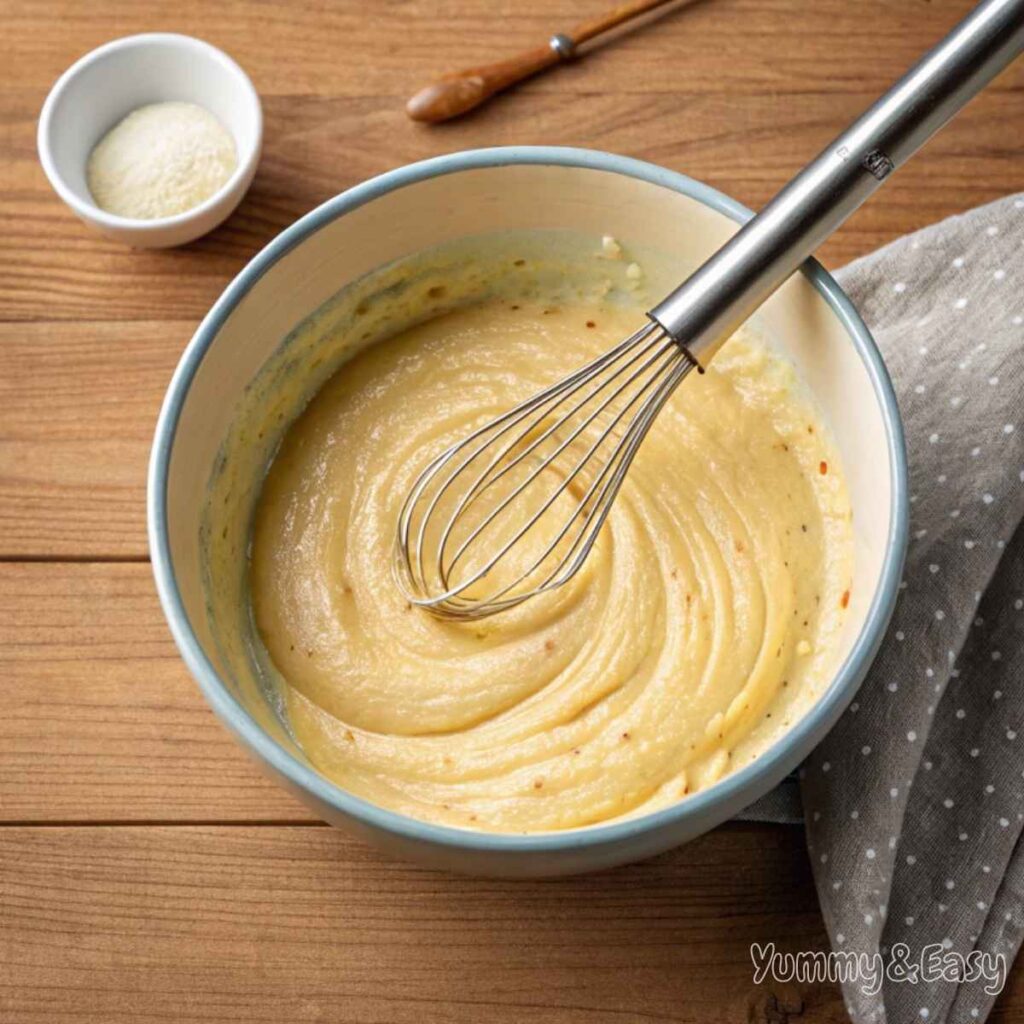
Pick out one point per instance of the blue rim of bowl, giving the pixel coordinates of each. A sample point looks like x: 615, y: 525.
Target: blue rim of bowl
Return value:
x: 774, y: 762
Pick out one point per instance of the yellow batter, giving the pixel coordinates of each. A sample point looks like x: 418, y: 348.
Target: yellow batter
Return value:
x: 704, y: 623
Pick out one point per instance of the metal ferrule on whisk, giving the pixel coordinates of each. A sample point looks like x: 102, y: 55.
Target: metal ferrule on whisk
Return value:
x: 703, y: 311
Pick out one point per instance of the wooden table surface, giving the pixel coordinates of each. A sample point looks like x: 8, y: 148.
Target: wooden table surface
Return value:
x: 147, y: 871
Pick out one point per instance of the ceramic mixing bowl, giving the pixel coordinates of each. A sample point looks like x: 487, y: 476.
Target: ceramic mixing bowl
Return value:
x: 418, y: 207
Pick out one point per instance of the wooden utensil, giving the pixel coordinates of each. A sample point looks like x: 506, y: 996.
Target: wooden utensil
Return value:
x: 460, y: 91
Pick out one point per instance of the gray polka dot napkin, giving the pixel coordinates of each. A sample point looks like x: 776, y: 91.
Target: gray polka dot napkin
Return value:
x: 914, y: 804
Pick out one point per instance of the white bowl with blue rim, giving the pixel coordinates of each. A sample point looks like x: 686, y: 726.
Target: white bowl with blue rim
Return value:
x: 414, y: 209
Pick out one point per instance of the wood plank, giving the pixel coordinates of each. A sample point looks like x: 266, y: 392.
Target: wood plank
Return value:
x: 334, y: 117
x: 101, y: 720
x: 78, y: 403
x: 287, y: 924
x: 336, y: 49
x: 53, y: 268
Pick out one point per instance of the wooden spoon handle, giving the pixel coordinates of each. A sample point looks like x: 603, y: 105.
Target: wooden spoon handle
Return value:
x: 592, y: 27
x: 456, y: 93
x: 461, y: 91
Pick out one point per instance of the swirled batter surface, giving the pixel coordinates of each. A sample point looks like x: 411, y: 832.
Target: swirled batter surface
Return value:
x: 704, y: 623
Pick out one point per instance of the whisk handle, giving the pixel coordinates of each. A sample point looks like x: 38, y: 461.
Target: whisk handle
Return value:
x: 717, y: 298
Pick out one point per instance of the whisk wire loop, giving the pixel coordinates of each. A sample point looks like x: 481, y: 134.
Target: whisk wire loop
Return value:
x: 505, y: 422
x: 593, y: 422
x: 546, y: 463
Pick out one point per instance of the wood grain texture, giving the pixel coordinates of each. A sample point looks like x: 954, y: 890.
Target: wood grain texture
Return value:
x: 291, y: 924
x: 78, y: 405
x: 115, y: 902
x: 101, y: 721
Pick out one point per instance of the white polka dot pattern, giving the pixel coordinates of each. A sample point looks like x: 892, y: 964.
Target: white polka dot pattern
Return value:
x: 912, y: 803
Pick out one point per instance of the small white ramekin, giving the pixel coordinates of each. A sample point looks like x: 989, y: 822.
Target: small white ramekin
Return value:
x: 102, y: 87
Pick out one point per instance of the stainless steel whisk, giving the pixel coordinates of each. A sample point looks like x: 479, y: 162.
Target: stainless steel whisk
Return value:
x: 514, y: 509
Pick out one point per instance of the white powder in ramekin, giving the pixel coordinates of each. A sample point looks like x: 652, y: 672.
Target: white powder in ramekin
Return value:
x: 162, y: 159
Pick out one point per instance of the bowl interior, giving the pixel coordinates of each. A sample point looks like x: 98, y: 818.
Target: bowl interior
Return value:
x: 109, y: 83
x: 256, y: 313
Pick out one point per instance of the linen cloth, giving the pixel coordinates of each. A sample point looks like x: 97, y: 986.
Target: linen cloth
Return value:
x: 914, y: 803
